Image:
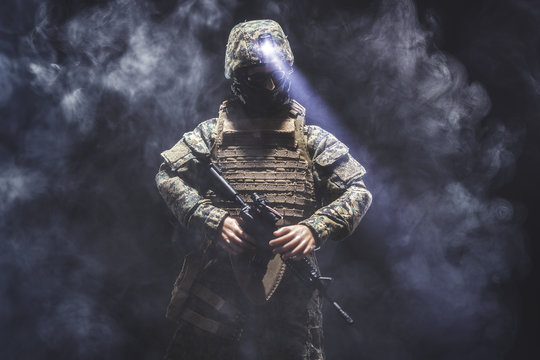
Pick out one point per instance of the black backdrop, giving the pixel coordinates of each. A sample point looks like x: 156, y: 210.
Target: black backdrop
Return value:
x: 438, y: 99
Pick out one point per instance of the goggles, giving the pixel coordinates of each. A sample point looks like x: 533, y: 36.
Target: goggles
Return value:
x: 260, y: 79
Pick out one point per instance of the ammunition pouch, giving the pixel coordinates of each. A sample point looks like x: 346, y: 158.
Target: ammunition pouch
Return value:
x: 191, y: 268
x: 194, y: 302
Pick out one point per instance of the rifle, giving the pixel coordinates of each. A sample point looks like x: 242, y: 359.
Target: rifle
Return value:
x: 260, y: 221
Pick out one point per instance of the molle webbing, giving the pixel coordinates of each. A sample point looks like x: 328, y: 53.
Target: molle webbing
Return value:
x: 272, y: 162
x: 241, y: 164
x: 262, y: 138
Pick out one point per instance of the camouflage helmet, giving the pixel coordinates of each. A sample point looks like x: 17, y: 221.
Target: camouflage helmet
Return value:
x: 256, y: 42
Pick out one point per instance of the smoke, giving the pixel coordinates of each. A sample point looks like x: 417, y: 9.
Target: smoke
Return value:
x: 440, y: 245
x: 96, y: 92
x: 93, y: 92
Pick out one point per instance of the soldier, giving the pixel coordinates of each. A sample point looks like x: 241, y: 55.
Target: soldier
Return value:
x: 261, y: 143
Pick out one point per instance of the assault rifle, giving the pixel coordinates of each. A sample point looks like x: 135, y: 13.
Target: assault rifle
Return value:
x: 260, y: 221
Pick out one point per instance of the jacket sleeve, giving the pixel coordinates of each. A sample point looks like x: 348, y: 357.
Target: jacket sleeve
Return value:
x: 339, y: 185
x: 179, y: 181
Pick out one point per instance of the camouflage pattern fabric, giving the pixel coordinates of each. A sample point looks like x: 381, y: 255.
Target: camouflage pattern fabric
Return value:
x: 244, y: 46
x: 337, y: 175
x: 292, y: 317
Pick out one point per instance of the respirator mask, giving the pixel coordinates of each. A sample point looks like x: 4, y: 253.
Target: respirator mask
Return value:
x: 262, y: 92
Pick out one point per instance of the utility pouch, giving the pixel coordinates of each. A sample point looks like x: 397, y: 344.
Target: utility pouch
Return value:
x: 191, y: 268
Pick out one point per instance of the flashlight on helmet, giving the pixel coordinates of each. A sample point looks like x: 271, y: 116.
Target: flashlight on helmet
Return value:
x: 267, y: 47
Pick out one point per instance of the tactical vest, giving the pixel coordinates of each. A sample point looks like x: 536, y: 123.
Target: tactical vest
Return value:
x: 271, y: 160
x: 268, y: 156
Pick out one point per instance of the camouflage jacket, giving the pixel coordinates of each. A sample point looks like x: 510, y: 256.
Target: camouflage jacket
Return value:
x: 340, y: 190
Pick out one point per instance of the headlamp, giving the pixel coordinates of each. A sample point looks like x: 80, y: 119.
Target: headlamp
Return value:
x: 267, y: 48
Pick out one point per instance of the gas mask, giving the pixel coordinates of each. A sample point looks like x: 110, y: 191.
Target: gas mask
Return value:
x: 253, y: 90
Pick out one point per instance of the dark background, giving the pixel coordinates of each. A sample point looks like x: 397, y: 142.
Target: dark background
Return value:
x: 437, y: 99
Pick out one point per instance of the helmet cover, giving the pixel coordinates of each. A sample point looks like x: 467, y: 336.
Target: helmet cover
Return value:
x: 256, y: 42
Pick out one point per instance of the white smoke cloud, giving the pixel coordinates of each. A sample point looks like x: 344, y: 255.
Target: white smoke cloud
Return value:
x: 18, y: 185
x: 444, y: 241
x: 114, y: 83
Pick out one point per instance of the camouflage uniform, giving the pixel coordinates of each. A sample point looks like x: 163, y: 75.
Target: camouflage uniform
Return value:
x: 289, y: 325
x: 337, y: 175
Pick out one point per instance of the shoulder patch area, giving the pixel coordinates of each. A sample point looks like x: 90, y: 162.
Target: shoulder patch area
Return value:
x: 328, y: 148
x: 194, y: 144
x: 199, y: 140
x: 331, y: 154
x: 178, y: 155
